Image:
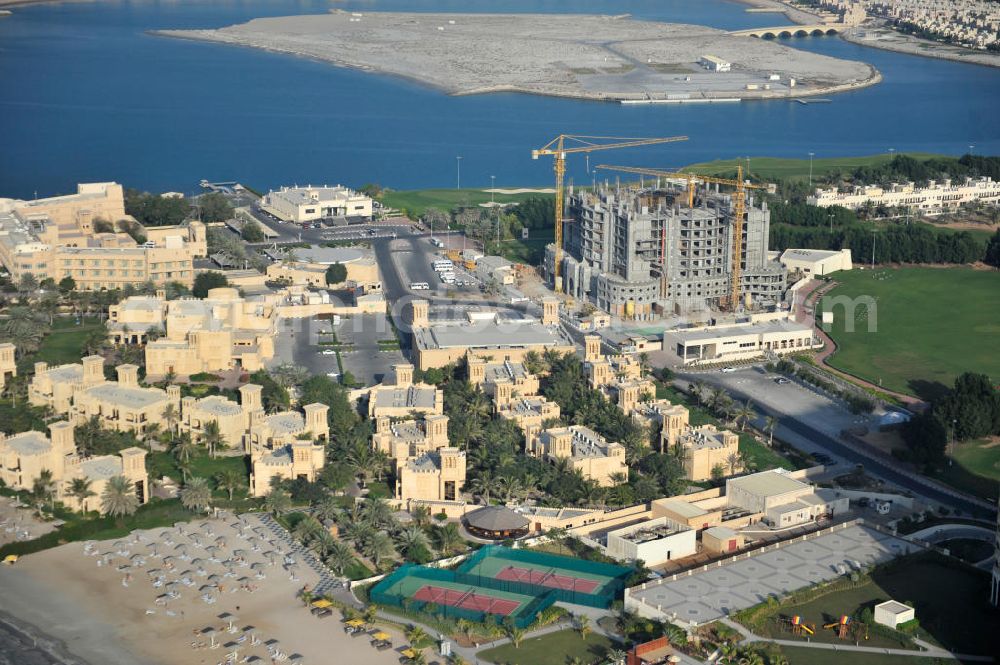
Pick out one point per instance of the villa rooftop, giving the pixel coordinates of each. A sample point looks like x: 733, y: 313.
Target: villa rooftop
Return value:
x: 489, y: 333
x: 28, y: 443
x: 101, y: 468
x: 415, y: 397
x: 219, y: 405
x: 286, y: 422
x: 135, y: 398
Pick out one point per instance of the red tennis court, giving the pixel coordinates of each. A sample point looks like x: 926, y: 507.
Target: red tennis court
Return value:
x: 466, y: 600
x: 549, y: 579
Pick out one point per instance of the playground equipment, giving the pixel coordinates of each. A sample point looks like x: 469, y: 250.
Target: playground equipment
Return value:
x: 797, y: 626
x: 841, y: 626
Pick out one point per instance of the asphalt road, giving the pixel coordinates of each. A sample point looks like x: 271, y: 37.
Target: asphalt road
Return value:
x: 813, y: 422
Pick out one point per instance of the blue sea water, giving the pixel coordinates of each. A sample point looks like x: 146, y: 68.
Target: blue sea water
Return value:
x: 86, y: 94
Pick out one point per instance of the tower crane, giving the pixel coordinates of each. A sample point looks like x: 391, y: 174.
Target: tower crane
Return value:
x: 739, y: 209
x: 566, y: 144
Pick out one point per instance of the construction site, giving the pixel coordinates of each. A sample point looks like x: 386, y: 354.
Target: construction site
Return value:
x: 675, y: 245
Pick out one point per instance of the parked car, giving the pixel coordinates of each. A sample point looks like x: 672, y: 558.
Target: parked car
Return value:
x: 726, y: 370
x: 781, y: 381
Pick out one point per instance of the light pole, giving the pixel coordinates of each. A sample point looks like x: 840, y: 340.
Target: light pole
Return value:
x: 892, y: 153
x: 811, y: 170
x: 972, y: 147
x: 458, y: 172
x: 873, y: 244
x: 830, y: 215
x: 493, y: 180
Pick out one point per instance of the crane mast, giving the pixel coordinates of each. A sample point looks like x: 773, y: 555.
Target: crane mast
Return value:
x: 558, y: 149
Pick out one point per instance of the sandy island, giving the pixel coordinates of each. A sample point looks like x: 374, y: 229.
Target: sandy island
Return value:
x: 580, y: 56
x: 65, y: 594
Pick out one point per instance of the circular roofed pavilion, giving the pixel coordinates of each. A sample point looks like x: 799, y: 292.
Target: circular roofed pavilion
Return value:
x: 496, y: 523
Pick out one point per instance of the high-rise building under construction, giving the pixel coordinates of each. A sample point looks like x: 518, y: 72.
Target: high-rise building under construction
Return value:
x: 642, y: 253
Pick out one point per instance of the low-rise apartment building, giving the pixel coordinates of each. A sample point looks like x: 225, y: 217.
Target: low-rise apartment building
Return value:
x: 65, y: 236
x: 487, y: 375
x: 398, y: 396
x: 24, y: 456
x: 937, y: 196
x: 437, y: 475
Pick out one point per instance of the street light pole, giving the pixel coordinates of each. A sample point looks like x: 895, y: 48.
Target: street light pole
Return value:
x: 811, y: 170
x: 458, y: 172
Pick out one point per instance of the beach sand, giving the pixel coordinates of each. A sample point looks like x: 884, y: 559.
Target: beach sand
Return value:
x: 66, y: 595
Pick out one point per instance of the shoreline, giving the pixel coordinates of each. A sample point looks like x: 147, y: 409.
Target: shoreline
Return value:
x: 53, y: 647
x: 642, y: 92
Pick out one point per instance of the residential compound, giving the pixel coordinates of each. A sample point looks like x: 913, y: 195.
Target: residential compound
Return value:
x: 307, y: 267
x: 24, y: 456
x: 308, y: 204
x: 970, y: 23
x: 937, y: 196
x: 493, y: 335
x: 288, y: 444
x: 619, y: 376
x: 642, y: 254
x: 78, y: 236
x: 223, y: 331
x: 428, y: 467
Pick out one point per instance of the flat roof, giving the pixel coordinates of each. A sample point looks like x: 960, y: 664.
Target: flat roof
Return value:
x: 683, y: 508
x: 809, y: 254
x: 28, y: 443
x: 420, y: 397
x: 766, y: 483
x: 489, y: 333
x: 894, y: 606
x: 219, y: 405
x: 720, y: 532
x: 737, y: 331
x: 136, y: 398
x: 101, y: 468
x: 286, y: 422
x: 328, y: 255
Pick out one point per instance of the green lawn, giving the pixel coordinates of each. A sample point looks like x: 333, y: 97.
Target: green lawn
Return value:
x: 975, y: 469
x: 934, y: 585
x: 932, y: 324
x: 552, y: 649
x: 164, y: 463
x: 415, y: 201
x: 65, y: 343
x: 530, y: 251
x: 807, y: 656
x: 781, y: 168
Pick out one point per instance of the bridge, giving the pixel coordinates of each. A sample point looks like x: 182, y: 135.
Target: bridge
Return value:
x: 789, y: 31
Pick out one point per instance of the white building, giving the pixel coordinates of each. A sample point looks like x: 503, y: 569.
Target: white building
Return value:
x: 653, y: 542
x: 816, y: 261
x: 306, y: 204
x: 722, y: 344
x: 711, y: 63
x: 937, y: 196
x: 893, y: 613
x: 783, y: 500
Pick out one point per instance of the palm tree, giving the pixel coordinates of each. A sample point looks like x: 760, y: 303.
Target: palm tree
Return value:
x: 196, y: 495
x: 377, y: 512
x: 171, y: 416
x: 484, y: 486
x: 24, y: 327
x: 79, y: 489
x: 229, y: 480
x: 583, y: 625
x: 415, y: 634
x: 212, y: 437
x: 118, y: 499
x: 770, y: 424
x: 418, y: 657
x: 412, y: 539
x: 327, y: 509
x: 509, y: 486
x: 184, y: 466
x: 457, y: 660
x: 618, y: 478
x: 616, y: 656
x: 339, y: 557
x: 308, y: 529
x: 420, y: 514
x: 184, y: 449
x: 742, y: 414
x: 448, y: 538
x: 515, y: 635
x: 277, y: 501
x: 733, y: 460
x: 43, y: 488
x: 379, y: 548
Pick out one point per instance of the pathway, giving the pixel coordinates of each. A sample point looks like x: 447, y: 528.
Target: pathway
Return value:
x: 327, y: 582
x: 927, y: 650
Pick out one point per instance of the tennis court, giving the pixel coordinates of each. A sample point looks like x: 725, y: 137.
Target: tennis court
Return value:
x: 548, y: 579
x: 469, y: 600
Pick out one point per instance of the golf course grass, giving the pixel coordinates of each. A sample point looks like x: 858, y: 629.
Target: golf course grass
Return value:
x: 792, y: 169
x: 930, y: 325
x: 552, y: 649
x: 416, y: 201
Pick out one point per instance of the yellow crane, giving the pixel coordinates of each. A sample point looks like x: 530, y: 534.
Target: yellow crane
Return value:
x: 739, y: 208
x: 566, y: 144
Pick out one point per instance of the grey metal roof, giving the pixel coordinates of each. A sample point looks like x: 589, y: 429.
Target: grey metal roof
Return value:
x: 496, y: 518
x: 507, y: 333
x: 416, y: 397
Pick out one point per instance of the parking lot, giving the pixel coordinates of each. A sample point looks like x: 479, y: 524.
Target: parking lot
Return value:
x: 708, y: 595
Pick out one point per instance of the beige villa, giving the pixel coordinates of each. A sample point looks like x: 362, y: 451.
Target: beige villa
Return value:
x: 585, y: 450
x: 24, y: 456
x: 619, y: 376
x: 399, y: 397
x: 8, y: 363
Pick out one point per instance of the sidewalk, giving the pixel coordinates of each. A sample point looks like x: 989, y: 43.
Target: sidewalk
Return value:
x: 927, y: 650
